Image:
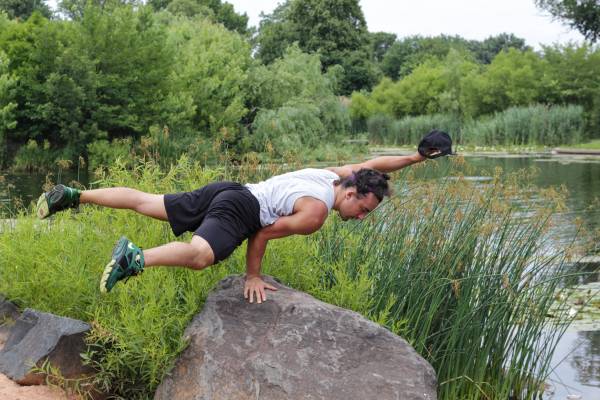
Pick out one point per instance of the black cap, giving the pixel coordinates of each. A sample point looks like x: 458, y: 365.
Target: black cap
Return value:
x: 435, y: 144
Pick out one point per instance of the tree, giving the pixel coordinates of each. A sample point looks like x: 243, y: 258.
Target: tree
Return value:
x: 572, y: 76
x: 335, y: 29
x: 410, y: 52
x: 75, y: 8
x: 582, y: 15
x: 8, y: 83
x: 296, y: 103
x: 215, y: 10
x: 488, y: 49
x: 514, y: 78
x: 210, y: 71
x: 22, y: 9
x: 381, y: 43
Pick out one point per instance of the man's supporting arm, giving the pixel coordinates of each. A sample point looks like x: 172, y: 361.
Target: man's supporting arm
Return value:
x: 309, y: 215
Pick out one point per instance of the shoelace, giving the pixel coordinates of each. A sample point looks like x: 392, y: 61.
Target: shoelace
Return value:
x: 135, y: 271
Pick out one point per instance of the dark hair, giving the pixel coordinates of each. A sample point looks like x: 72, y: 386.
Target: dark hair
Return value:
x: 367, y: 181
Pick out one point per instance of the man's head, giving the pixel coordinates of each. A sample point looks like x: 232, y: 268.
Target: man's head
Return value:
x: 359, y: 193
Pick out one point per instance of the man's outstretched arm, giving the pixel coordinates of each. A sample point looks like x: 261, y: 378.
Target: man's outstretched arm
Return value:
x: 382, y: 164
x: 308, y: 217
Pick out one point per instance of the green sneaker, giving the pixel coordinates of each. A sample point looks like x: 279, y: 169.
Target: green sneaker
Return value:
x: 127, y: 260
x: 59, y: 198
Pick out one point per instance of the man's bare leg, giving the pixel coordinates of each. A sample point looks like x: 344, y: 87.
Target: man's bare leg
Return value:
x: 151, y: 205
x: 195, y: 255
x: 128, y: 259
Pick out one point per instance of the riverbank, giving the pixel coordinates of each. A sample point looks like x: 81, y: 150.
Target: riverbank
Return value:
x: 591, y: 149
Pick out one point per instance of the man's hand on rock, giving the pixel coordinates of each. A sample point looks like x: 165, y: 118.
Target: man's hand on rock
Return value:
x: 255, y: 287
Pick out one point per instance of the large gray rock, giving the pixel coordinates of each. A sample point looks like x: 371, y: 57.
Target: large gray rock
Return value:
x: 292, y: 347
x: 36, y: 337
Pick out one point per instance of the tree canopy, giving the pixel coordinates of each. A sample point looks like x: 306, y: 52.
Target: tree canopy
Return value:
x: 216, y: 10
x: 582, y: 15
x: 336, y: 30
x: 22, y: 9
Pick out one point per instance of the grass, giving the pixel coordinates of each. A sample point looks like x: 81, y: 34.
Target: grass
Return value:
x: 444, y: 264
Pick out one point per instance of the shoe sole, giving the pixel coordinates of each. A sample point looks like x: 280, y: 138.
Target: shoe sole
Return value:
x: 42, y: 209
x: 107, y: 270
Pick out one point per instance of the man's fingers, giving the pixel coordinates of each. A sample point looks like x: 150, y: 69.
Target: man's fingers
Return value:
x: 258, y: 295
x: 258, y: 292
x: 271, y: 287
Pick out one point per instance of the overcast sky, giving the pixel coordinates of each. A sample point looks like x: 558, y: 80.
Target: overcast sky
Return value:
x: 471, y: 19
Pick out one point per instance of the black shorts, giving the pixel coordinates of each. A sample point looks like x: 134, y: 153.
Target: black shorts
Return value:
x: 223, y: 213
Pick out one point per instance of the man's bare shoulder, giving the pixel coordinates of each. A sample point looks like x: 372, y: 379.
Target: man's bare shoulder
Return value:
x: 311, y: 206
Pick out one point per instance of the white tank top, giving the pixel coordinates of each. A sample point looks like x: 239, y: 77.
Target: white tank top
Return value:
x: 278, y: 194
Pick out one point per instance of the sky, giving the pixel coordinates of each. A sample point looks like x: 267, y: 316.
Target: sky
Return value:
x: 471, y: 19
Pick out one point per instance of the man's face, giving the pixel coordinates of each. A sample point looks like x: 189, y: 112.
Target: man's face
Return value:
x: 355, y: 206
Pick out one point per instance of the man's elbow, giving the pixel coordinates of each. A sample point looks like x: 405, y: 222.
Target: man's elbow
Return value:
x: 313, y: 225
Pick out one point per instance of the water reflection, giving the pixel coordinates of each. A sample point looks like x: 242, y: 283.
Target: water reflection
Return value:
x: 585, y: 358
x: 577, y: 367
x: 20, y: 189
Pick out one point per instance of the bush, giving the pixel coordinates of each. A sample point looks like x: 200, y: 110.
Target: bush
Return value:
x: 297, y: 108
x: 102, y: 153
x: 288, y: 129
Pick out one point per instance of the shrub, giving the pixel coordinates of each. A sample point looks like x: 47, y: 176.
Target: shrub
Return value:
x: 102, y: 153
x: 32, y: 156
x: 288, y: 129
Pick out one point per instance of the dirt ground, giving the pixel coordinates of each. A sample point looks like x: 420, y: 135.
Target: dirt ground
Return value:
x: 9, y: 390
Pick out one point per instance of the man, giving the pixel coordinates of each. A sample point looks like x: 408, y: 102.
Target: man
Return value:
x: 223, y: 214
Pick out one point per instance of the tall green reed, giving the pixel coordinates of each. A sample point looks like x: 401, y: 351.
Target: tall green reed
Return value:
x: 536, y: 124
x: 409, y: 130
x: 464, y: 280
x: 531, y: 125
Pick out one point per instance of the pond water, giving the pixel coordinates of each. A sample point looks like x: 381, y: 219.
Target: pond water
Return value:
x: 576, y: 361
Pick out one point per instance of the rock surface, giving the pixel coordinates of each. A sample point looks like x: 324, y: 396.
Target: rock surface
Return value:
x: 37, y: 336
x: 292, y: 347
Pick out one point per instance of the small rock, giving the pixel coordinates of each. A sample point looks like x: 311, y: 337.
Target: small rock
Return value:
x: 36, y: 337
